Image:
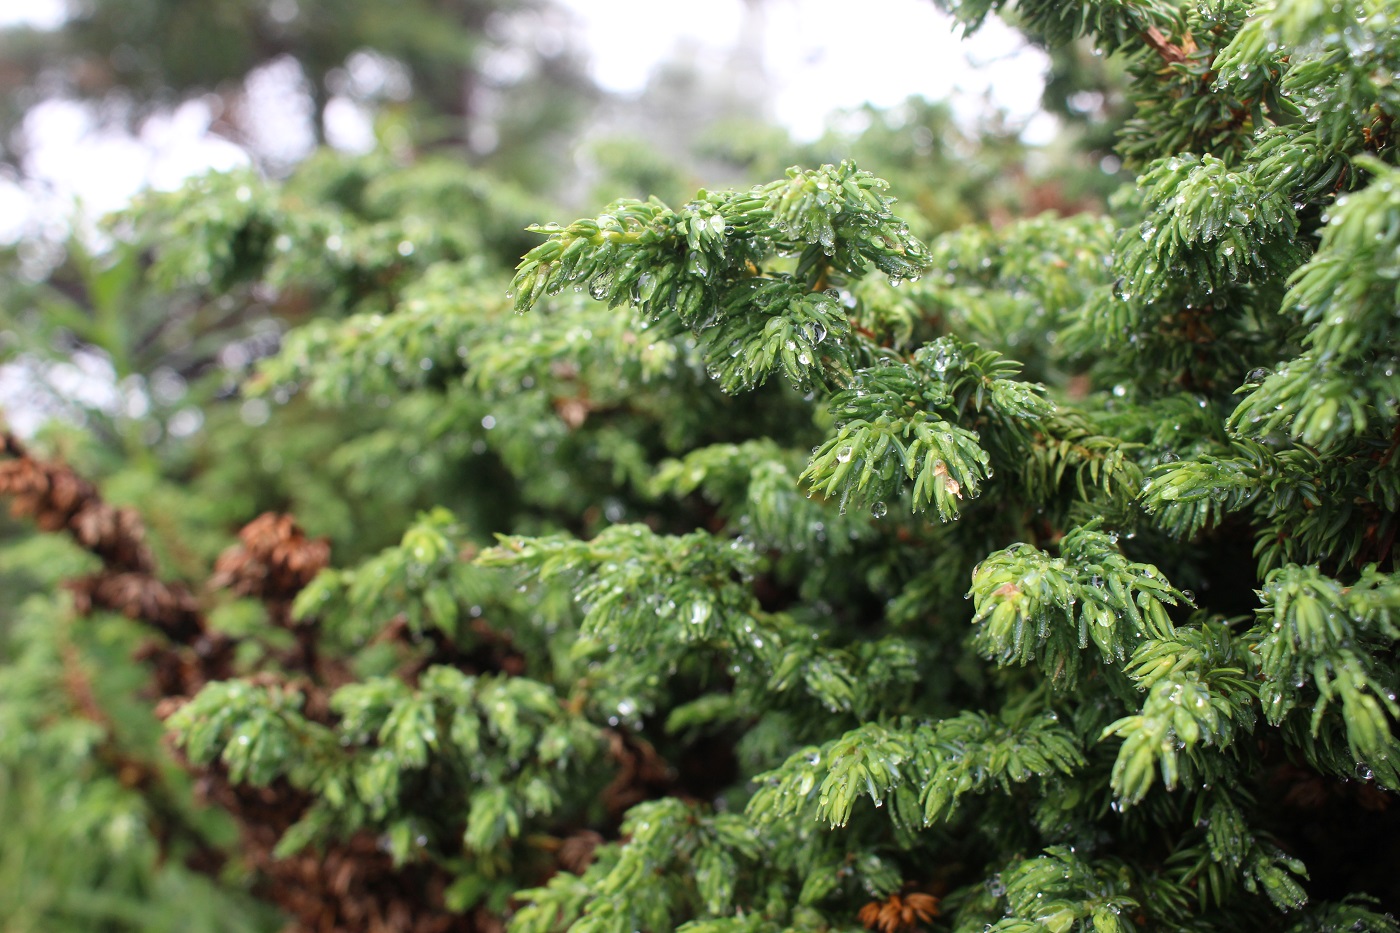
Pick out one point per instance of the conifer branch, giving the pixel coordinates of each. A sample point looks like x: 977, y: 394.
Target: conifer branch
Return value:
x: 58, y: 499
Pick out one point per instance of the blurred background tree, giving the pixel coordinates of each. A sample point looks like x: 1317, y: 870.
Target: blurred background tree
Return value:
x: 441, y: 63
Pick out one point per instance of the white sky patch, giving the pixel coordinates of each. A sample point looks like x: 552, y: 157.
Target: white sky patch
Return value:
x: 72, y: 155
x: 829, y: 57
x: 32, y: 391
x: 627, y: 39
x: 284, y: 131
x: 349, y: 125
x: 78, y: 168
x: 41, y: 14
x: 14, y: 210
x: 826, y: 55
x: 181, y: 145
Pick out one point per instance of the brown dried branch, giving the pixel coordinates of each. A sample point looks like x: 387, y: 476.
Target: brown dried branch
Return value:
x: 168, y: 607
x: 58, y: 499
x: 578, y: 851
x: 642, y: 773
x: 273, y: 561
x: 1170, y: 53
x: 899, y: 913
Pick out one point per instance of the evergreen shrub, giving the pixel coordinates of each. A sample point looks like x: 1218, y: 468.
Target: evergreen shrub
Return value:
x: 787, y: 572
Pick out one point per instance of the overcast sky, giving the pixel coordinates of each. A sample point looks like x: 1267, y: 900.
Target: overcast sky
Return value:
x: 825, y: 54
x: 821, y: 55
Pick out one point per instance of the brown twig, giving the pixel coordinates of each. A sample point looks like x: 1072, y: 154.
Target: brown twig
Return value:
x: 1170, y: 53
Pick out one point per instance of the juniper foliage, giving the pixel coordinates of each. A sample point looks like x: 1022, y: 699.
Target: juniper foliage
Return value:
x: 745, y: 454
